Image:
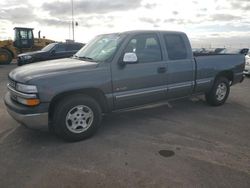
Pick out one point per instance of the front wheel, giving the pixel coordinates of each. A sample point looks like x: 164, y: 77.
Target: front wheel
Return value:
x: 219, y: 92
x: 77, y: 117
x: 5, y: 57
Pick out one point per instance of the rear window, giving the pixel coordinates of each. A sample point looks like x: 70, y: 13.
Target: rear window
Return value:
x: 176, y: 47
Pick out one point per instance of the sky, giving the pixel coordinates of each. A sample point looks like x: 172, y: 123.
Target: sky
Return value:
x: 208, y: 23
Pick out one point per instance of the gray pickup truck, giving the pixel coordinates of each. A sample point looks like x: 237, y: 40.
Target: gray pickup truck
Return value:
x: 116, y: 71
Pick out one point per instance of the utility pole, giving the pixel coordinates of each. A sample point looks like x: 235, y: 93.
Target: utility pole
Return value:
x: 73, y: 23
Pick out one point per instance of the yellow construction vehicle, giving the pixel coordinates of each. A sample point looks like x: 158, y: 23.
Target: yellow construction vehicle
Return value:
x: 24, y: 41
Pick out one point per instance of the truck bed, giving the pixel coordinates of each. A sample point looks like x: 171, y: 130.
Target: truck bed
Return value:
x: 209, y: 65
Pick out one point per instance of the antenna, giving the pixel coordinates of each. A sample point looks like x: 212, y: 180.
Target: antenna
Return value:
x: 72, y: 14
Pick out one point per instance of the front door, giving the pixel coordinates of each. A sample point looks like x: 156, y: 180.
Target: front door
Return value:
x: 142, y: 82
x: 59, y: 51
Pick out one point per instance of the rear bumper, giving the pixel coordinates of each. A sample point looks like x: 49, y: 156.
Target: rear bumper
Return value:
x: 247, y: 70
x: 238, y: 78
x: 31, y: 117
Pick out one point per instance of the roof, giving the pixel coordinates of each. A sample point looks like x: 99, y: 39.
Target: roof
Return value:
x: 150, y: 31
x: 132, y: 32
x: 22, y: 28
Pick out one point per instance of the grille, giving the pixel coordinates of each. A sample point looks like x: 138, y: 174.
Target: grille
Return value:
x: 12, y: 83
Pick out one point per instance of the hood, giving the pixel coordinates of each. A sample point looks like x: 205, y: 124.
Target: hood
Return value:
x: 35, y: 53
x: 26, y: 73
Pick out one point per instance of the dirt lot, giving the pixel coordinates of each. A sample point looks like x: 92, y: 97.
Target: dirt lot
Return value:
x: 208, y: 147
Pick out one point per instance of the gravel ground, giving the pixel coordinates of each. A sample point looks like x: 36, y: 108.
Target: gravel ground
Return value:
x: 205, y: 147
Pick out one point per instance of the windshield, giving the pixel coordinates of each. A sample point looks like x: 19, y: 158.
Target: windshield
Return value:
x: 48, y: 47
x: 101, y: 48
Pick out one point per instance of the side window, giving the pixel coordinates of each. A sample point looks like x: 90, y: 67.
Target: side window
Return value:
x: 69, y: 47
x: 76, y: 47
x: 175, y: 47
x: 30, y: 35
x: 146, y: 47
x: 60, y: 48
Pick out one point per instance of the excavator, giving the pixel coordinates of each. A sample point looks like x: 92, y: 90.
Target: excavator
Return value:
x: 24, y: 41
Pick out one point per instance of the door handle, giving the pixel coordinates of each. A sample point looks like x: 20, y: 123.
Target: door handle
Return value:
x: 161, y: 69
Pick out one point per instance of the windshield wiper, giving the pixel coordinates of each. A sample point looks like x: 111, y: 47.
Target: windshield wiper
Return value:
x: 86, y: 58
x: 83, y: 58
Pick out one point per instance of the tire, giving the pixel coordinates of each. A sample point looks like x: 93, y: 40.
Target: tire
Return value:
x: 219, y: 93
x: 5, y: 57
x: 77, y: 117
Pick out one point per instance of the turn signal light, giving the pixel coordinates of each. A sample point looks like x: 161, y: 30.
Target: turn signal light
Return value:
x: 32, y: 102
x: 28, y: 102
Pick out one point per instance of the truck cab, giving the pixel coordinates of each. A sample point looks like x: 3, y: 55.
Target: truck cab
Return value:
x: 24, y: 38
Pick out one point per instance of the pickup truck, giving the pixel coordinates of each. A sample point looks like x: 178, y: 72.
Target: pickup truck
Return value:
x: 113, y: 72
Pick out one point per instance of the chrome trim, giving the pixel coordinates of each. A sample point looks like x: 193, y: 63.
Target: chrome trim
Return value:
x: 180, y: 85
x: 12, y: 83
x: 140, y: 93
x: 19, y: 94
x: 33, y: 121
x: 203, y: 81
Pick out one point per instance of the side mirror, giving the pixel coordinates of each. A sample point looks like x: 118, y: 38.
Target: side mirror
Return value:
x: 130, y: 58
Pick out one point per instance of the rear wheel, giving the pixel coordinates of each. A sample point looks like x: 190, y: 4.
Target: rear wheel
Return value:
x: 5, y: 57
x: 77, y: 117
x: 219, y: 92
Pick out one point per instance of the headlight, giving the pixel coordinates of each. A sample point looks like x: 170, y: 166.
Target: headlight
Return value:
x: 26, y: 57
x: 26, y: 88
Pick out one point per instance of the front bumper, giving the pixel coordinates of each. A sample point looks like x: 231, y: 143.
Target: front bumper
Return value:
x: 31, y: 117
x: 33, y: 121
x: 21, y: 61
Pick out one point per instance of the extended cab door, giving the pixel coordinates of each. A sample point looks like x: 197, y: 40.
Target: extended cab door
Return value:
x: 142, y: 82
x: 181, y: 65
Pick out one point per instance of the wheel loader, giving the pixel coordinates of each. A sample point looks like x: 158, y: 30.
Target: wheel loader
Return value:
x: 24, y: 41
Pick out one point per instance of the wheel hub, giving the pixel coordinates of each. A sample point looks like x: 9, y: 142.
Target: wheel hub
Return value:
x: 79, y: 118
x: 221, y: 91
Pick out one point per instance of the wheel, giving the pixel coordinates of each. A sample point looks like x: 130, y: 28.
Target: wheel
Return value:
x: 5, y: 57
x: 219, y: 92
x: 77, y: 117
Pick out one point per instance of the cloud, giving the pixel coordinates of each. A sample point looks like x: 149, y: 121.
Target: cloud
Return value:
x: 240, y: 4
x: 175, y: 12
x: 18, y: 15
x: 150, y: 5
x: 90, y: 6
x: 83, y: 21
x: 178, y: 21
x: 149, y: 20
x: 54, y: 22
x: 224, y: 17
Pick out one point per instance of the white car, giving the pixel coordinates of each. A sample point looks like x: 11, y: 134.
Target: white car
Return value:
x: 247, y: 65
